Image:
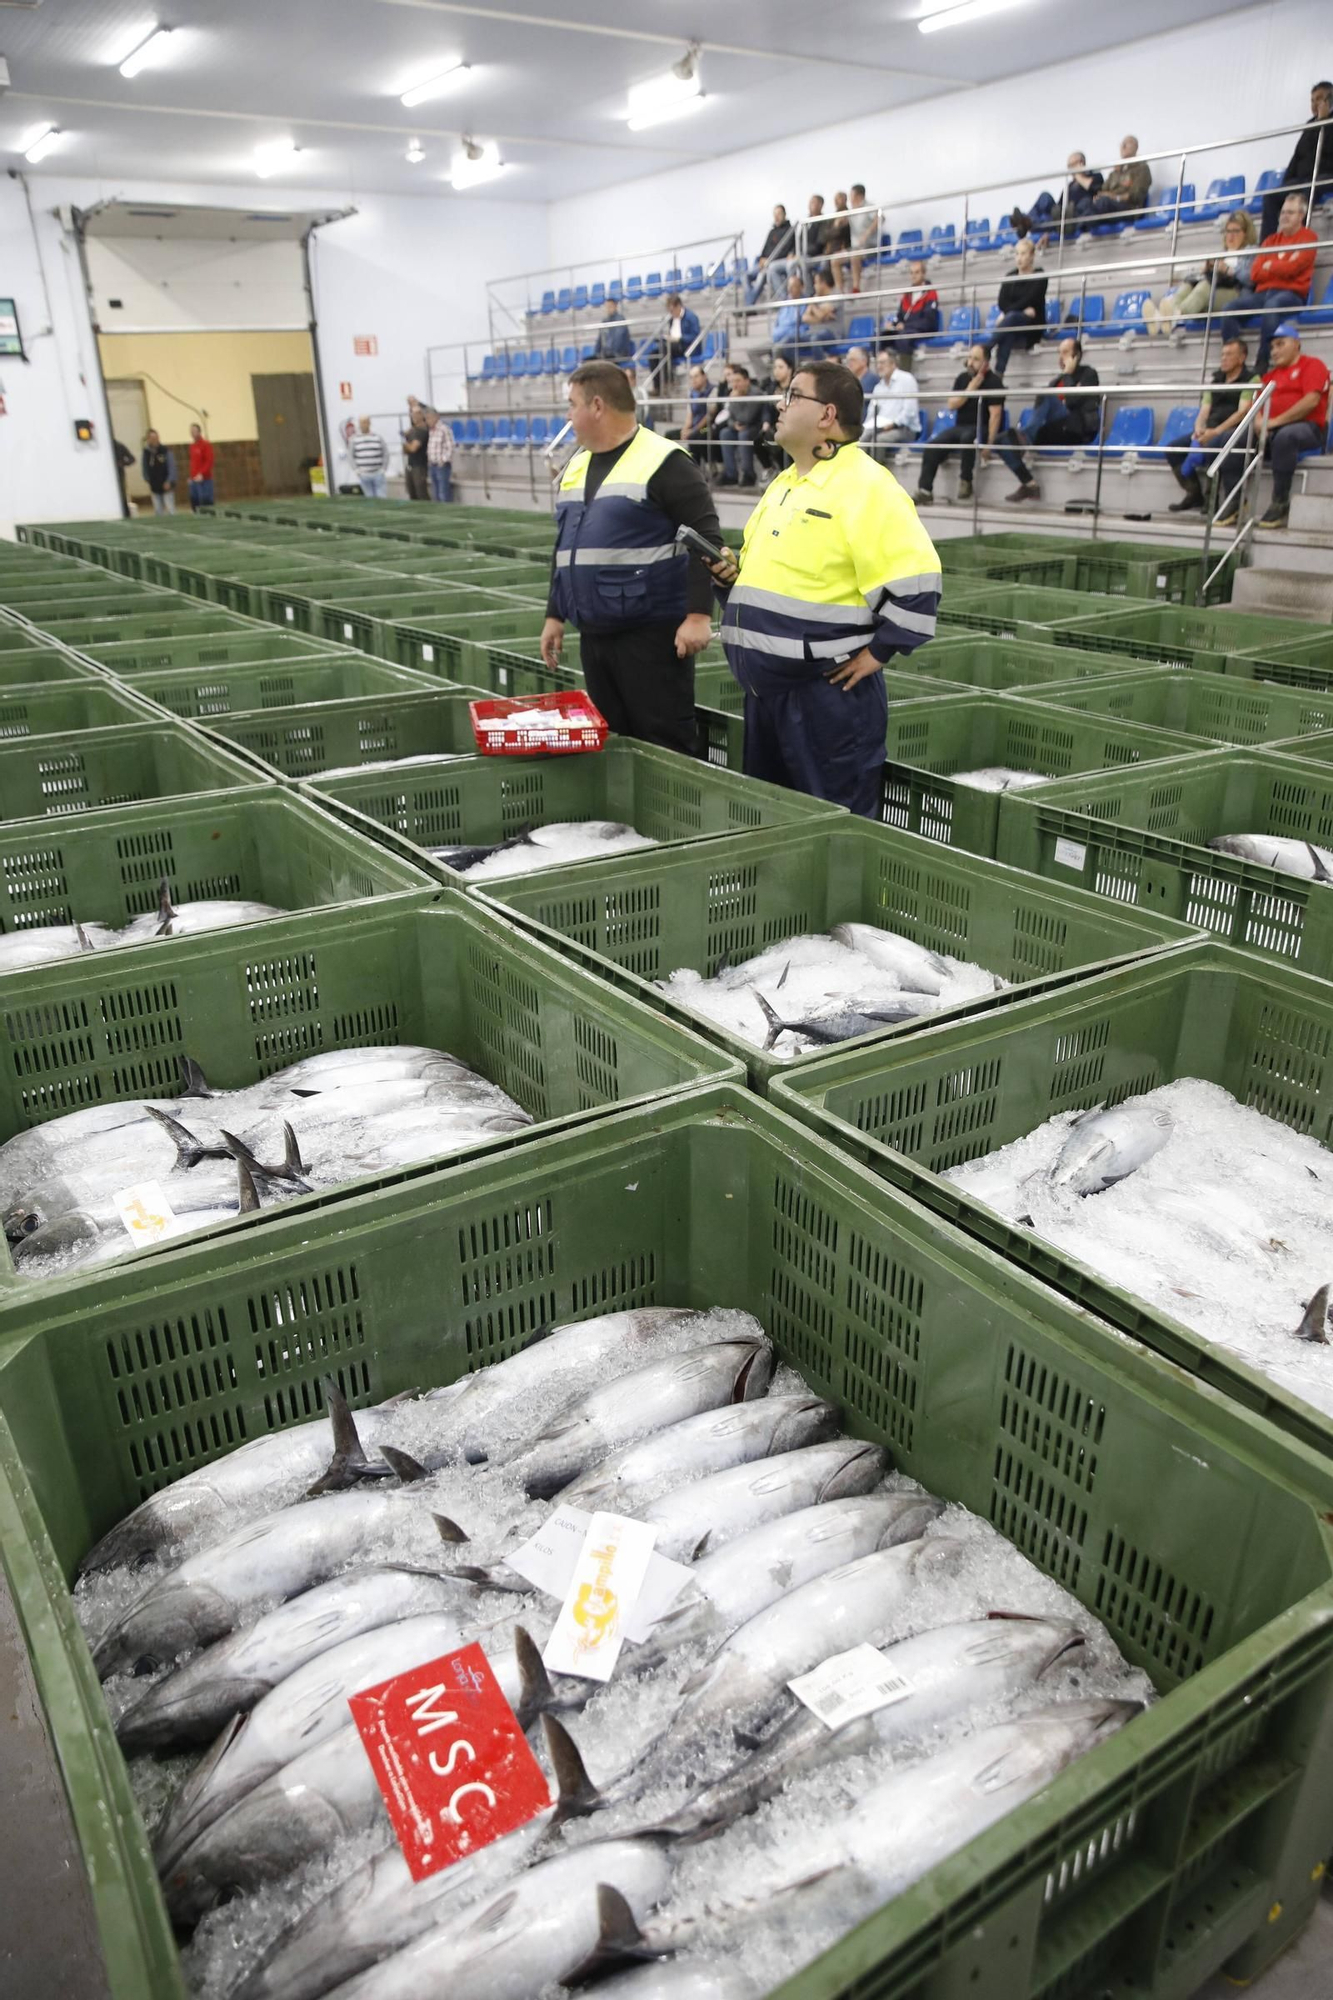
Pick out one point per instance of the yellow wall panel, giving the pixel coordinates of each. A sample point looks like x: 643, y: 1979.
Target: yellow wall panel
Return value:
x: 184, y: 373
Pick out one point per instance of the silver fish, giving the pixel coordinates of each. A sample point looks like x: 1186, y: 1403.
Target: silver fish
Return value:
x: 553, y: 1921
x: 706, y: 1513
x: 711, y: 1442
x: 1104, y: 1147
x: 664, y: 1392
x: 762, y: 1566
x: 44, y: 944
x: 194, y: 1702
x: 300, y: 1712
x: 998, y: 778
x: 678, y: 1979
x: 916, y: 969
x: 936, y: 1677
x: 1300, y: 858
x: 377, y: 1909
x: 211, y: 1594
x: 844, y: 1021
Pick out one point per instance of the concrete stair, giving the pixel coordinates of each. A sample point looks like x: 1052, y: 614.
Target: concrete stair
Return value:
x: 1289, y: 592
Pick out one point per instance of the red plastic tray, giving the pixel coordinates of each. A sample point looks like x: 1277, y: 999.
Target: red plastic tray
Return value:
x: 539, y: 724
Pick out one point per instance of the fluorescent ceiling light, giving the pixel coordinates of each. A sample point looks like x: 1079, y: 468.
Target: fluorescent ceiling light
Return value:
x: 431, y: 86
x: 662, y: 97
x: 952, y: 15
x: 478, y: 161
x: 416, y: 152
x: 278, y: 153
x: 148, y: 50
x: 42, y: 140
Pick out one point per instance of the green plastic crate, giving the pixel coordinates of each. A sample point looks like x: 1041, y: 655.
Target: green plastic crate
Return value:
x: 1001, y: 666
x: 1163, y: 573
x: 1192, y: 1840
x: 436, y: 646
x: 89, y: 635
x: 1297, y: 663
x: 666, y: 797
x: 962, y: 556
x: 22, y: 665
x: 1214, y: 707
x: 276, y: 684
x: 299, y: 741
x: 47, y: 776
x: 1175, y: 635
x: 715, y: 686
x: 432, y: 968
x: 1139, y: 837
x: 637, y: 918
x: 912, y: 1110
x: 303, y: 608
x: 929, y: 740
x: 244, y: 646
x: 59, y: 708
x: 1010, y: 610
x: 263, y: 845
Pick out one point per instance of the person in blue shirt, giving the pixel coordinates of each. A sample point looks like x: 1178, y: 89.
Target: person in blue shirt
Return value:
x: 789, y: 319
x: 613, y: 335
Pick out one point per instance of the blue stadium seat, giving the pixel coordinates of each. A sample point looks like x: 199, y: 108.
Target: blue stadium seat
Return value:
x: 1126, y: 317
x: 1188, y: 212
x: 715, y: 345
x: 580, y: 298
x: 1179, y: 424
x: 536, y: 361
x: 1005, y: 237
x: 548, y: 303
x: 1321, y: 314
x: 588, y: 351
x: 553, y: 361
x: 721, y: 277
x: 518, y: 365
x: 860, y: 330
x: 652, y: 285
x: 943, y: 241
x: 634, y: 287
x: 962, y: 324
x: 615, y: 290
x: 537, y: 430
x: 1270, y: 179
x: 564, y: 299
x: 977, y: 227
x: 1131, y: 429
x: 489, y: 368
x: 488, y: 430
x: 911, y: 244
x: 597, y: 294
x: 694, y: 279
x: 1222, y: 196
x: 943, y: 419
x: 569, y: 361
x: 519, y: 434
x: 501, y: 435
x: 992, y: 318
x: 1088, y: 313
x: 1160, y: 216
x: 1054, y: 314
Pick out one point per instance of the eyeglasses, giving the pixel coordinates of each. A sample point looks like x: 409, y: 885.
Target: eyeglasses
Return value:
x: 801, y: 396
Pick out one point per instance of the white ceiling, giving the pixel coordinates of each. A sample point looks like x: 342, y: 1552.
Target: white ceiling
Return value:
x: 328, y: 74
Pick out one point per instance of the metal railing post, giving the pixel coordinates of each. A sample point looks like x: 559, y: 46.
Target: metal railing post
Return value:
x: 1175, y: 216
x: 1101, y: 459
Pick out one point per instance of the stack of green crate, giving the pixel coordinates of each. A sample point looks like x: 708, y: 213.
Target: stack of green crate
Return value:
x: 203, y: 693
x: 52, y: 776
x: 299, y: 741
x: 1009, y: 610
x: 1177, y: 635
x: 1219, y: 707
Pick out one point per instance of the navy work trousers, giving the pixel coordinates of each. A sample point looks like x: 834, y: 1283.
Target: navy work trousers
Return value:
x: 827, y: 741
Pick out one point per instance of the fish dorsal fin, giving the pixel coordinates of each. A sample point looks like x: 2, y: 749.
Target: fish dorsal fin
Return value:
x: 1321, y: 873
x: 85, y: 942
x: 536, y: 1694
x: 450, y: 1530
x: 249, y: 1193
x: 348, y: 1462
x: 576, y: 1794
x: 619, y: 1939
x: 291, y: 1157
x: 701, y: 1545
x: 408, y: 1470
x: 196, y: 1083
x: 1313, y: 1326
x: 1092, y: 1112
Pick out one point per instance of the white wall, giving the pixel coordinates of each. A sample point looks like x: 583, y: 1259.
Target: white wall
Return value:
x: 1247, y: 71
x: 148, y: 284
x: 45, y: 474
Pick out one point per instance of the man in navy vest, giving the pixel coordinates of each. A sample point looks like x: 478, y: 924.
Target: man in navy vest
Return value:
x: 642, y: 607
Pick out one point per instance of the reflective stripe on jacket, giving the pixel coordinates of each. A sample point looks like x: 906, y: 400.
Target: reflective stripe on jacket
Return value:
x: 834, y: 559
x: 616, y: 560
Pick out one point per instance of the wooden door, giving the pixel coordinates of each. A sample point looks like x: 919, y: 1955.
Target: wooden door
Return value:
x: 288, y: 430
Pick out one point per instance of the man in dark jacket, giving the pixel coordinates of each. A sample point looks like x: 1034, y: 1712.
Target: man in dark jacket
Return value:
x: 1022, y: 321
x: 1312, y: 160
x: 1056, y: 419
x: 159, y: 471
x: 770, y: 267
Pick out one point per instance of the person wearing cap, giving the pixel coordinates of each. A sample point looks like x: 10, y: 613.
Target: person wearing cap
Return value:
x: 1295, y: 421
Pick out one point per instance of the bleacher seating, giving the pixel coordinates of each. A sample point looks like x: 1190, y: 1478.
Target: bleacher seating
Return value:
x: 1126, y: 316
x: 1088, y: 313
x: 1221, y: 197
x: 1160, y: 216
x: 1266, y: 183
x: 1319, y: 313
x: 1179, y: 424
x: 1131, y: 429
x: 963, y: 323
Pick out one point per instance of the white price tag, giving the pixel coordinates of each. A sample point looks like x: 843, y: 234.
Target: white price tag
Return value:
x: 146, y: 1212
x: 849, y: 1686
x: 608, y: 1575
x: 549, y: 1557
x: 1161, y: 579
x: 1071, y: 854
x: 427, y: 652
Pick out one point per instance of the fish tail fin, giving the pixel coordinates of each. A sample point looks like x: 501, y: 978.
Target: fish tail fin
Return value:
x: 196, y: 1083
x: 249, y: 1193
x: 189, y: 1150
x: 166, y: 914
x: 291, y: 1153
x: 577, y: 1796
x: 775, y: 1026
x: 348, y: 1463
x: 1314, y: 1321
x: 85, y: 942
x: 1321, y: 873
x: 240, y: 1151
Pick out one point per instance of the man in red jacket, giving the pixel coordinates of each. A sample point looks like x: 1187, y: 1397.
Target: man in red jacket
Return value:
x: 1296, y: 421
x: 1279, y: 276
x: 201, y: 470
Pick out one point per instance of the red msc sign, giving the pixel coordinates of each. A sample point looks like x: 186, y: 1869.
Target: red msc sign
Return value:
x: 451, y: 1760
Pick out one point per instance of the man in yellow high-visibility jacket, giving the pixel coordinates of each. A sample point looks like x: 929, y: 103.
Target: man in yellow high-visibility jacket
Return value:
x: 836, y: 575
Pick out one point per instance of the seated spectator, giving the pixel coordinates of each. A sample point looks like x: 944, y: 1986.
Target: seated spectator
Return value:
x: 893, y: 407
x: 1128, y: 185
x: 767, y: 450
x: 838, y: 242
x: 1221, y: 281
x: 1022, y: 321
x: 770, y: 269
x: 696, y: 430
x: 1310, y: 165
x: 1296, y: 422
x: 812, y: 238
x: 613, y: 335
x: 977, y: 403
x: 682, y: 330
x: 742, y: 423
x: 858, y: 361
x: 825, y: 321
x: 918, y: 313
x: 1221, y: 408
x: 865, y: 232
x: 789, y: 320
x: 1059, y: 420
x: 1085, y: 184
x: 1280, y: 275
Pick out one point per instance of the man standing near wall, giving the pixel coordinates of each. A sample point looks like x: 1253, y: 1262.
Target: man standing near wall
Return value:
x: 641, y: 605
x: 370, y: 460
x: 159, y: 471
x: 836, y: 575
x: 201, y: 470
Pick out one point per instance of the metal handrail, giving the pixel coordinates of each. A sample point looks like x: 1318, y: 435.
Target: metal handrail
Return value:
x: 1249, y: 429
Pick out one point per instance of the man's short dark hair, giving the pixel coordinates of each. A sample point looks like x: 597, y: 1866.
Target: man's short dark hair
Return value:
x: 1075, y: 343
x: 739, y: 368
x: 1323, y: 84
x: 858, y: 187
x: 604, y: 379
x: 1236, y: 340
x: 985, y: 347
x: 825, y: 275
x: 837, y: 385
